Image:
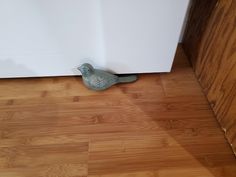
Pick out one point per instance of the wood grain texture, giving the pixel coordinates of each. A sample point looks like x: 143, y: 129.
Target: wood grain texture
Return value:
x: 200, y: 13
x: 214, y: 58
x: 160, y: 126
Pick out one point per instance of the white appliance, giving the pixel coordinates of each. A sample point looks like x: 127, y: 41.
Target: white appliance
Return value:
x: 53, y: 37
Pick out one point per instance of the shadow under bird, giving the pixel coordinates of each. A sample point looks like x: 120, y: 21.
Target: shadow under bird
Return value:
x: 97, y: 80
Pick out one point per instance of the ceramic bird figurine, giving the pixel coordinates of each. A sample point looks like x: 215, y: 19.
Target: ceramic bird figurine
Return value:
x: 98, y: 80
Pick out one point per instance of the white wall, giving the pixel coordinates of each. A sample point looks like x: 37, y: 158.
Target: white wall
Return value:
x: 52, y: 37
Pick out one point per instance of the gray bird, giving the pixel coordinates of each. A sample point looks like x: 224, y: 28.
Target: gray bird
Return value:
x: 96, y: 79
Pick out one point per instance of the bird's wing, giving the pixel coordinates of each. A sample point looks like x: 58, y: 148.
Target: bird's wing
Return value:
x: 99, y: 81
x: 103, y: 79
x: 107, y: 76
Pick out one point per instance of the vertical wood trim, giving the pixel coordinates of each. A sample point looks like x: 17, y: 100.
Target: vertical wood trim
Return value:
x: 211, y: 46
x: 199, y: 16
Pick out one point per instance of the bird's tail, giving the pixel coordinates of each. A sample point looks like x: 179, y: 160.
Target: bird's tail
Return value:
x: 126, y: 79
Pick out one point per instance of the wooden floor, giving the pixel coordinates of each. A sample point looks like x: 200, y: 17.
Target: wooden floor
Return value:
x: 160, y: 126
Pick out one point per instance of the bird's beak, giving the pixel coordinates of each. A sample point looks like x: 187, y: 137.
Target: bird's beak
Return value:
x: 79, y: 68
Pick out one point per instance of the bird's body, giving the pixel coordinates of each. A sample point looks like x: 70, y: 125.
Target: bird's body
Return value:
x: 100, y: 80
x: 96, y: 79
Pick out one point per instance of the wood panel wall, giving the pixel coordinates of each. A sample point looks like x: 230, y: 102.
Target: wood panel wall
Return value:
x: 210, y: 43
